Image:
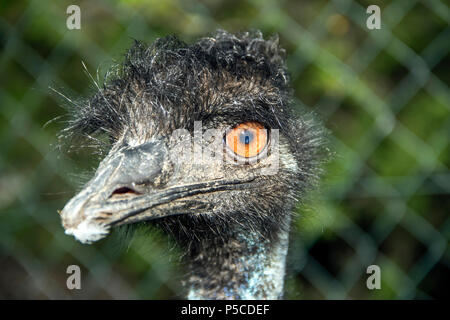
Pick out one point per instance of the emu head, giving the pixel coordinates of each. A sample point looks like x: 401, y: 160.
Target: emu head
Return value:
x: 201, y: 132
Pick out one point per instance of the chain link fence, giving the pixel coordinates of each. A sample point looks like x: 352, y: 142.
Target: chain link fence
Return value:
x: 383, y: 94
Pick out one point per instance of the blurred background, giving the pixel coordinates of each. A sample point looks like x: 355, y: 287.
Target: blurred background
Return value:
x: 383, y: 94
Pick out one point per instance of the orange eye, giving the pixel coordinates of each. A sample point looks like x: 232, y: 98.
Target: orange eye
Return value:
x: 247, y: 139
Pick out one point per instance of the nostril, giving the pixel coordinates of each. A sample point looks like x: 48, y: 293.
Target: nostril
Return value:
x: 123, y: 191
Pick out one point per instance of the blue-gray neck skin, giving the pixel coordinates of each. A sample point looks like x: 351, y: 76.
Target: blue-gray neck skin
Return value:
x: 246, y: 267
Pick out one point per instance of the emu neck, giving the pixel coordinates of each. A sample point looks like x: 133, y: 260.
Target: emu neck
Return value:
x: 247, y: 266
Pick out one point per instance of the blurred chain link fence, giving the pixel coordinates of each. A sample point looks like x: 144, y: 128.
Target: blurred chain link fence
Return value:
x: 383, y: 94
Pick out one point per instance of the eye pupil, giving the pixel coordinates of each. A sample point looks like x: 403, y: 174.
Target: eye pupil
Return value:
x: 246, y: 137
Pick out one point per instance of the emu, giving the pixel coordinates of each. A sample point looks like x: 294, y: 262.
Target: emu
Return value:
x: 229, y: 206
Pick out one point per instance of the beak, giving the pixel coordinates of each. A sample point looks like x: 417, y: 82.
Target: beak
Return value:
x: 130, y: 185
x: 120, y: 189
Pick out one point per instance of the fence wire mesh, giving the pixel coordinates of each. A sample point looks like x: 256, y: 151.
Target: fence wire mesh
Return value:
x: 382, y: 93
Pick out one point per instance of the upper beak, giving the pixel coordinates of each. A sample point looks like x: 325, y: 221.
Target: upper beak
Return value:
x: 116, y: 192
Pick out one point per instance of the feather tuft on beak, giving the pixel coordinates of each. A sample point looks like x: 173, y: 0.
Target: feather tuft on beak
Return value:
x: 87, y: 232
